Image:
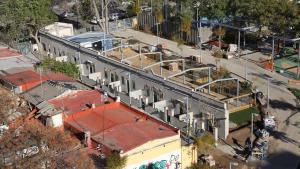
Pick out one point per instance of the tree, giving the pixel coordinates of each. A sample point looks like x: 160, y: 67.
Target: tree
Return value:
x: 214, y: 9
x: 186, y: 23
x: 67, y: 68
x: 115, y: 161
x: 86, y: 10
x: 24, y: 18
x: 32, y: 145
x: 205, y: 142
x: 220, y: 32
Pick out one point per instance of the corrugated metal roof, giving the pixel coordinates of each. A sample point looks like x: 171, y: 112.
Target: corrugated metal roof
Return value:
x: 121, y: 127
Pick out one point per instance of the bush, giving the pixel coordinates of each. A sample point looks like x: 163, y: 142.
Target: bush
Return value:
x: 67, y: 68
x: 218, y: 54
x: 205, y: 142
x: 115, y: 161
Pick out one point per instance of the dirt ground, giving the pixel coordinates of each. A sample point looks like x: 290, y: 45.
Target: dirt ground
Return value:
x: 223, y: 160
x: 236, y: 138
x: 239, y: 137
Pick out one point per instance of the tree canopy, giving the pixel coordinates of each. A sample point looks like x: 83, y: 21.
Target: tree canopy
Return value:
x: 24, y: 18
x: 67, y: 68
x: 115, y: 161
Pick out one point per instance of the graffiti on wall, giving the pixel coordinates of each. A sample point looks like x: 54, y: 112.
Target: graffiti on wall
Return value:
x: 172, y: 163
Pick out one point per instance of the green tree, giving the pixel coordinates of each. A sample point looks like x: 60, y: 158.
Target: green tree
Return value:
x: 186, y: 23
x: 214, y: 9
x: 115, y: 161
x: 220, y: 32
x: 67, y: 68
x: 86, y: 10
x: 205, y: 142
x: 24, y: 18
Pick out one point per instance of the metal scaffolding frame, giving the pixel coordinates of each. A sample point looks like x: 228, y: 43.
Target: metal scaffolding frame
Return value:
x: 219, y: 80
x: 164, y: 61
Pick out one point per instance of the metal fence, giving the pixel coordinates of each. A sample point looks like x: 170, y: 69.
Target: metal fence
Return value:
x: 171, y: 29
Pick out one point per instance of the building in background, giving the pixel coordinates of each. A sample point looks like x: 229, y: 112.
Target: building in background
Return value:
x: 60, y: 29
x: 93, y: 40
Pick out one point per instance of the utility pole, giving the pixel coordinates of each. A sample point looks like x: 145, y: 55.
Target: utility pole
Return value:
x: 298, y: 64
x: 268, y: 92
x: 187, y: 115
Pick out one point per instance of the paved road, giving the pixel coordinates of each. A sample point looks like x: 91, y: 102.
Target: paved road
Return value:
x: 283, y: 103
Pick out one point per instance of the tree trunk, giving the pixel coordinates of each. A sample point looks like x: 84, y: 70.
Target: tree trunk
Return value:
x: 40, y: 48
x: 97, y: 14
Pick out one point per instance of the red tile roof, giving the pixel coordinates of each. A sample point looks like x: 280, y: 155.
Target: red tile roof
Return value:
x: 122, y: 127
x: 8, y: 53
x: 23, y: 78
x: 77, y: 101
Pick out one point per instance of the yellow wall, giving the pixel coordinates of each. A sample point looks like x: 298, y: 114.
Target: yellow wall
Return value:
x: 162, y: 152
x: 189, y: 155
x: 155, y: 151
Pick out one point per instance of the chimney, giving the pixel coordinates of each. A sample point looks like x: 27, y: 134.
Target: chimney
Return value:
x: 93, y: 106
x: 118, y: 99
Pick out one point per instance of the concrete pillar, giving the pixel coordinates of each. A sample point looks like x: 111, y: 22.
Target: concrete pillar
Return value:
x: 216, y: 135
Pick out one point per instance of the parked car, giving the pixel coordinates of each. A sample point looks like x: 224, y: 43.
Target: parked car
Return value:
x: 94, y: 20
x: 67, y: 14
x: 114, y: 16
x: 146, y: 8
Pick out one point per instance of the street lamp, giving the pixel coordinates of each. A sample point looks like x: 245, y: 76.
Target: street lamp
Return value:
x: 233, y: 164
x: 197, y: 5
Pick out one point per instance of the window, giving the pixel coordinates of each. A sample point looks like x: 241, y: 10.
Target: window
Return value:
x: 133, y: 84
x: 75, y: 59
x: 105, y: 73
x: 122, y: 80
x: 112, y: 77
x: 54, y: 50
x: 116, y: 77
x: 92, y: 68
x: 44, y: 47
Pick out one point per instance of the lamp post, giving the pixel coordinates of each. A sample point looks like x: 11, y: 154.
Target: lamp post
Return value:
x: 197, y: 5
x: 233, y: 164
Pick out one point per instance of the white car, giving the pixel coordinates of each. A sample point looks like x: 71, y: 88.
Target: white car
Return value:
x: 146, y: 8
x: 96, y: 21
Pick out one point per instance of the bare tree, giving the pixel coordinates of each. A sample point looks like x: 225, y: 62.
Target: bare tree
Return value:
x: 32, y: 145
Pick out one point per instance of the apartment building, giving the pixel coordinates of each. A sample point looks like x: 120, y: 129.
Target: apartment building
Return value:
x: 182, y: 92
